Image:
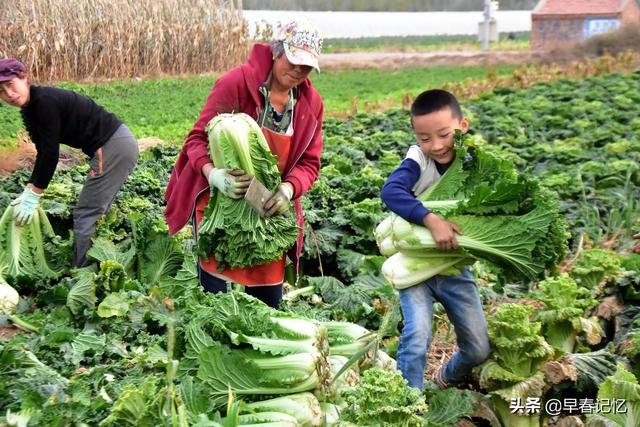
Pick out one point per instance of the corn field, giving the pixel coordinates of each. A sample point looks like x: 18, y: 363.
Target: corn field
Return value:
x: 84, y: 39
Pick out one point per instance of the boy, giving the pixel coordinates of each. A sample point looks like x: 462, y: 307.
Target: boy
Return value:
x: 435, y: 115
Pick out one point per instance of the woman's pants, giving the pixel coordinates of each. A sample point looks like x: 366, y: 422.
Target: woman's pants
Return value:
x: 110, y: 166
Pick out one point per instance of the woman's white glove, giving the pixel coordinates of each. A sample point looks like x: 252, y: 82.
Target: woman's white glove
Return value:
x: 231, y: 182
x: 25, y: 206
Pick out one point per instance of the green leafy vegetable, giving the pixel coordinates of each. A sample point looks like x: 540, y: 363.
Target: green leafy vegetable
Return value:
x: 447, y: 406
x: 231, y: 231
x: 631, y: 346
x: 506, y: 218
x: 563, y: 317
x: 249, y: 372
x: 346, y: 338
x: 514, y: 369
x: 303, y: 407
x: 82, y: 296
x: 9, y: 299
x: 104, y: 250
x: 239, y: 319
x: 236, y: 342
x: 621, y: 387
x: 384, y: 399
x: 595, y: 266
x: 158, y: 254
x: 585, y: 370
x: 138, y: 405
x: 24, y: 247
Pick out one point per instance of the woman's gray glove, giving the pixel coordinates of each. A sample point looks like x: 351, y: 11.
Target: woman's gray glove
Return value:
x: 280, y: 200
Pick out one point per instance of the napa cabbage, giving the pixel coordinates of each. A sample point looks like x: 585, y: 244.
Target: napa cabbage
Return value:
x: 236, y: 342
x: 507, y: 219
x: 514, y: 370
x: 238, y: 319
x: 9, y: 299
x: 231, y: 231
x: 622, y: 387
x: 247, y: 372
x: 303, y: 407
x: 346, y: 339
x: 563, y: 317
x: 24, y: 247
x: 585, y: 370
x: 383, y: 399
x: 595, y: 266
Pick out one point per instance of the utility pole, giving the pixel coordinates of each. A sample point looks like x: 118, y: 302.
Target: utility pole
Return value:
x: 485, y: 29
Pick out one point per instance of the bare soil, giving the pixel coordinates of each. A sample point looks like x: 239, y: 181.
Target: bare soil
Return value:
x: 6, y: 332
x: 626, y: 39
x: 439, y: 354
x: 361, y: 60
x: 24, y: 155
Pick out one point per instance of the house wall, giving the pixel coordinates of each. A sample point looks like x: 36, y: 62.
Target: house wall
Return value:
x: 547, y: 33
x: 631, y: 13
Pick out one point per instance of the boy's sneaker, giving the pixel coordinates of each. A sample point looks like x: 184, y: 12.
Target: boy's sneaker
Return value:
x: 440, y: 382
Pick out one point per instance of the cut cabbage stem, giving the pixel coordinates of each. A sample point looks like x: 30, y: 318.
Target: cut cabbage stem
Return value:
x: 22, y: 324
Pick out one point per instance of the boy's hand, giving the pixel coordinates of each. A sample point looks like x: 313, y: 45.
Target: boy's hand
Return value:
x: 442, y: 231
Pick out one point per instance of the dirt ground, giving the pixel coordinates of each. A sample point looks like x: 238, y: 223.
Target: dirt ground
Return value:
x: 24, y: 155
x: 361, y: 60
x: 625, y: 40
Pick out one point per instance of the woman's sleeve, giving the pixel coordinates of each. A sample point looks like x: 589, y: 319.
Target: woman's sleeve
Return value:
x: 306, y: 171
x: 224, y: 98
x: 45, y: 128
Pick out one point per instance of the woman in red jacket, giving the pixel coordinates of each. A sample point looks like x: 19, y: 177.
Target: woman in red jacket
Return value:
x: 273, y: 88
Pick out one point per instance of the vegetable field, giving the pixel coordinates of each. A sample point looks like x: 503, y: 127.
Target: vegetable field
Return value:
x: 133, y: 340
x: 167, y: 108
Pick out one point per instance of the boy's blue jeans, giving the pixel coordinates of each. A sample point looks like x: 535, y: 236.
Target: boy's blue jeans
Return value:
x: 459, y: 297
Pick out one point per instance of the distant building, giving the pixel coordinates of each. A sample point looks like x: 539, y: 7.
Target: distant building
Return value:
x: 557, y: 22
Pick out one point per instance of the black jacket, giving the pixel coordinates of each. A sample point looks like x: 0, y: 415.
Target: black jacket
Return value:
x: 58, y: 116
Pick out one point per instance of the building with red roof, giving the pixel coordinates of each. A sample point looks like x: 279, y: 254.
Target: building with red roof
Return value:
x: 557, y: 22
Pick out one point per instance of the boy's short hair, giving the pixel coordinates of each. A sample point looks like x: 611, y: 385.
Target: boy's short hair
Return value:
x: 434, y: 100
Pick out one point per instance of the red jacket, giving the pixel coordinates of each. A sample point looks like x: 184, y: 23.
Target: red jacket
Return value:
x: 237, y: 91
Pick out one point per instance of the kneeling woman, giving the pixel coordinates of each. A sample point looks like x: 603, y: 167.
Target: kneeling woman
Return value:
x: 54, y: 116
